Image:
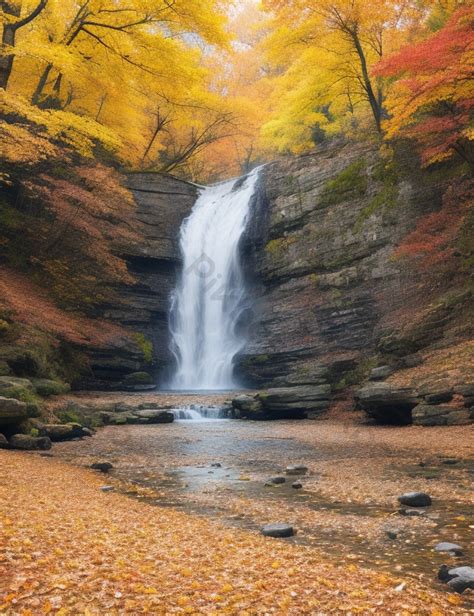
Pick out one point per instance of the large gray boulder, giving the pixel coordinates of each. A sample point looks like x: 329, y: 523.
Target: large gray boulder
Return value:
x: 24, y: 441
x: 387, y: 403
x: 151, y: 416
x: 63, y: 432
x: 3, y: 442
x: 12, y: 411
x: 248, y: 406
x: 295, y: 402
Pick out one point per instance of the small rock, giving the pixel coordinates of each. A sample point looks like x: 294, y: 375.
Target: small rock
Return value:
x: 296, y: 469
x: 216, y: 465
x: 103, y: 467
x: 276, y: 480
x: 392, y: 534
x: 278, y: 530
x: 450, y: 461
x: 107, y: 488
x: 437, y: 397
x: 415, y: 499
x: 411, y: 512
x: 297, y: 485
x: 451, y: 548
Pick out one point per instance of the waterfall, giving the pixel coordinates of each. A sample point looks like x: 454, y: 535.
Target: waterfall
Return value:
x: 209, y: 296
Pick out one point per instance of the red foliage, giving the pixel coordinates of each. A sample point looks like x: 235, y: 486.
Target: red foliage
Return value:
x: 31, y: 306
x: 435, y: 237
x: 433, y: 99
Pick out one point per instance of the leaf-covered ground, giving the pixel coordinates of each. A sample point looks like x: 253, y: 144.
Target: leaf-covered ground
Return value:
x: 67, y: 548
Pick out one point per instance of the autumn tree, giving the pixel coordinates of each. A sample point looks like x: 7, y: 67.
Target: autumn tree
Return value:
x: 324, y: 52
x: 432, y: 99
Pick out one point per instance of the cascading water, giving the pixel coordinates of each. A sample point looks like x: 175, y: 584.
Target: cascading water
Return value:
x: 209, y: 297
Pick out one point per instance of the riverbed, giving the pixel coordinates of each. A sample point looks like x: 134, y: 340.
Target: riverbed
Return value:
x: 347, y: 506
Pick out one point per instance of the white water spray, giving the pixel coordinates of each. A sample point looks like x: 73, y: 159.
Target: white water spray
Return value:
x: 209, y: 297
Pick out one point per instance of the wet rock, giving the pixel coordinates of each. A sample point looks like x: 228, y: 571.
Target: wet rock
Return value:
x: 26, y: 442
x: 276, y: 481
x: 444, y: 395
x: 277, y: 530
x: 63, y: 432
x: 3, y: 442
x: 458, y: 579
x: 386, y: 403
x: 103, y: 467
x: 216, y: 465
x: 296, y: 469
x: 294, y: 402
x: 415, y: 499
x: 248, y: 406
x: 297, y: 485
x: 380, y: 373
x: 151, y: 416
x: 12, y: 411
x: 451, y: 548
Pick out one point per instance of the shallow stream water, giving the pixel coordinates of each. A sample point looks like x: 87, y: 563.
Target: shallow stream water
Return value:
x: 218, y: 468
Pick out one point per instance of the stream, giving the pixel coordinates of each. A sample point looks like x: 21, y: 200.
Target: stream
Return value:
x: 347, y: 507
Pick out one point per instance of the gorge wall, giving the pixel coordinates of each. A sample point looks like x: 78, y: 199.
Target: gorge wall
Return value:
x: 330, y: 300
x: 330, y: 303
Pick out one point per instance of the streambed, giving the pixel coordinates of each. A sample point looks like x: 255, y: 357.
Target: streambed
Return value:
x: 347, y: 508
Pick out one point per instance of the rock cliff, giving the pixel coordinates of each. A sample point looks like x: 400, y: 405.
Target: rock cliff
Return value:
x: 330, y: 301
x: 163, y: 201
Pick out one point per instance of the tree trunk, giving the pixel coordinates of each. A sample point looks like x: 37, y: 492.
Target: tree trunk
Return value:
x: 375, y: 102
x: 8, y: 43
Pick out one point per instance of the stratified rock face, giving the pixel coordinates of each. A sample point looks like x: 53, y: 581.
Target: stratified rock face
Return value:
x: 325, y: 286
x: 162, y: 203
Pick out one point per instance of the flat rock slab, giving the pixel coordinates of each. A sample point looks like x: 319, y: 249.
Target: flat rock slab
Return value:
x: 296, y: 469
x: 278, y: 530
x: 415, y: 499
x: 26, y: 442
x: 276, y: 480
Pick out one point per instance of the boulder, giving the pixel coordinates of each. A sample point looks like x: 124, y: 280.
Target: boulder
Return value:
x: 295, y: 402
x: 13, y: 382
x: 387, y: 403
x: 27, y: 442
x: 151, y: 416
x: 380, y: 373
x: 12, y: 411
x: 48, y: 387
x: 3, y: 442
x: 431, y: 414
x: 415, y: 499
x: 278, y: 530
x: 63, y: 432
x: 459, y: 417
x: 297, y: 485
x: 458, y: 579
x: 248, y: 406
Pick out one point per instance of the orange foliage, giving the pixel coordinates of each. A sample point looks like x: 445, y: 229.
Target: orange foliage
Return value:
x: 435, y: 238
x: 31, y: 305
x: 432, y: 100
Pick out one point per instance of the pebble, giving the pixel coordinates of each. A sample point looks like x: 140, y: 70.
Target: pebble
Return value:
x: 103, y: 467
x: 297, y: 485
x: 392, y: 534
x: 415, y: 499
x: 451, y: 548
x: 107, y: 488
x: 411, y: 512
x: 275, y: 481
x: 216, y: 465
x: 278, y: 530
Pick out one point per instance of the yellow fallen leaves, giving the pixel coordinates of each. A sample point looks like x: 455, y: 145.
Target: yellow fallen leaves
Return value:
x: 130, y: 558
